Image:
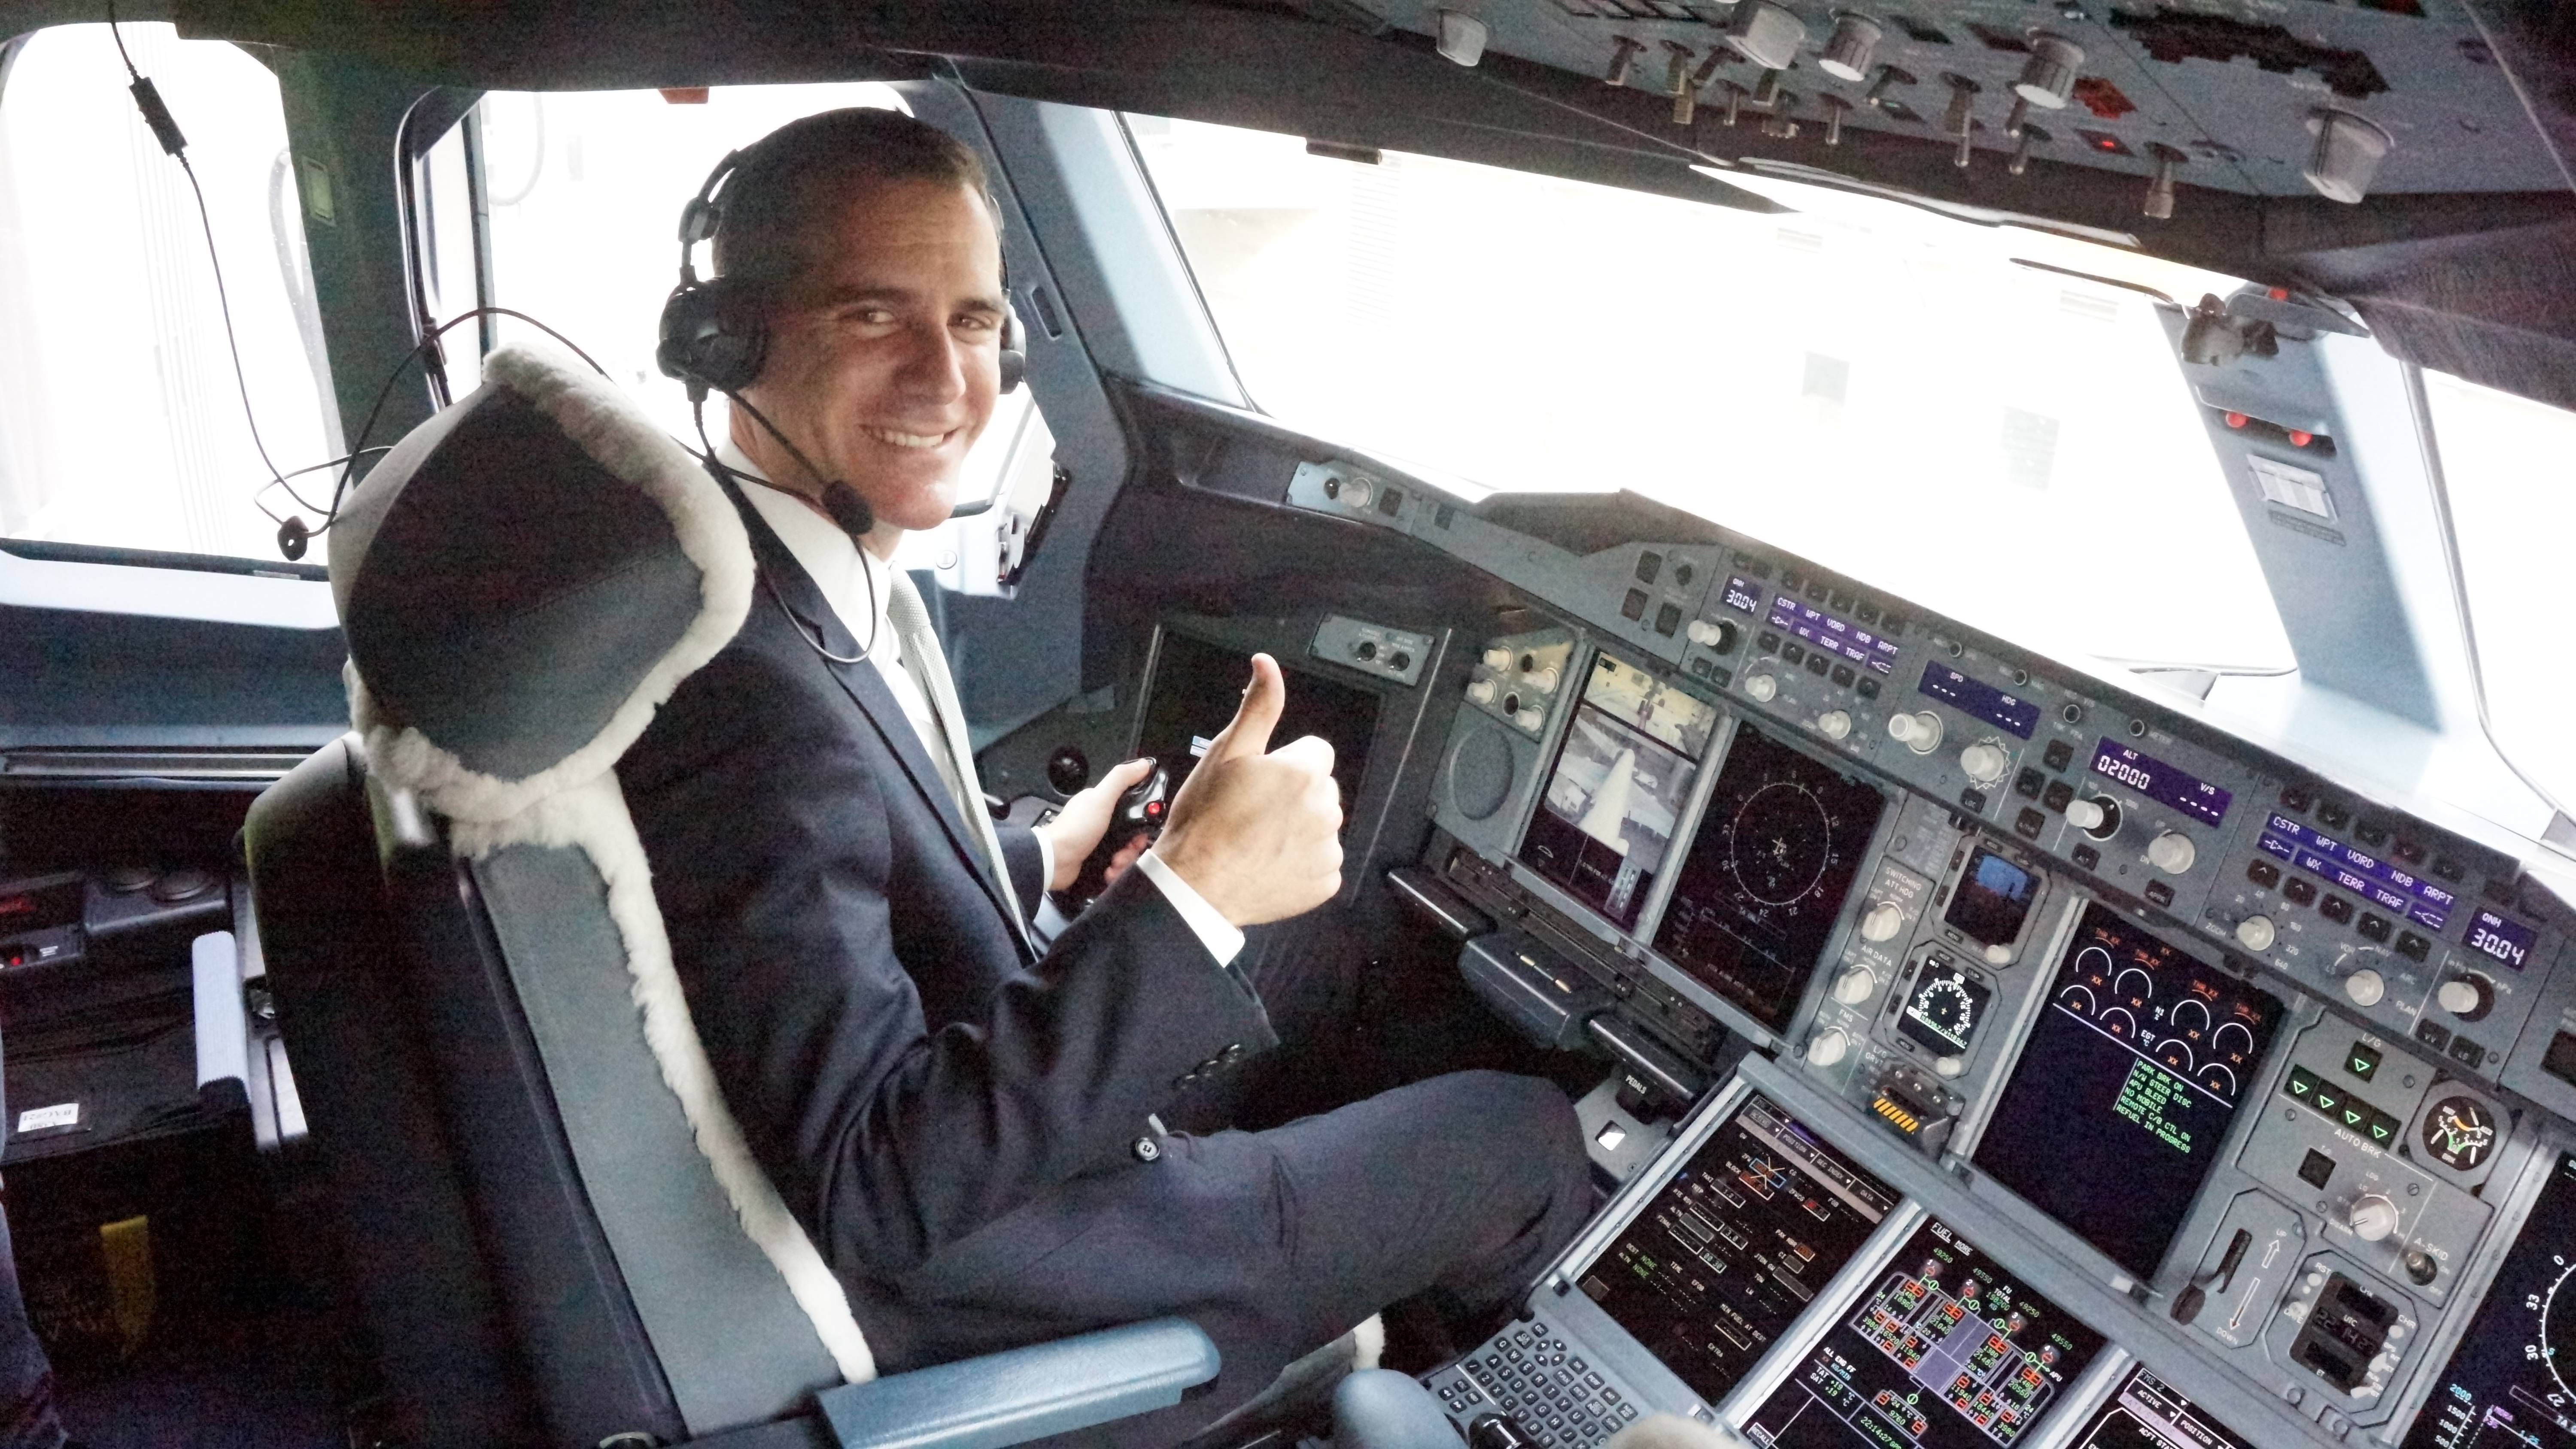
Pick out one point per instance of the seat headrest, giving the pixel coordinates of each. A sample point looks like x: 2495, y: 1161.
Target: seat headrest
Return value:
x: 522, y: 580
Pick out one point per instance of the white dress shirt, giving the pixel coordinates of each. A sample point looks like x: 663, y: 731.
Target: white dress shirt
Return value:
x: 858, y: 586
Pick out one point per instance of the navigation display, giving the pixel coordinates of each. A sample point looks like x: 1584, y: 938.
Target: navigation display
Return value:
x: 1947, y: 1352
x: 1195, y: 689
x: 1765, y: 878
x: 2508, y: 1384
x: 1736, y: 1246
x: 2146, y: 1413
x: 1621, y: 778
x: 2114, y: 1113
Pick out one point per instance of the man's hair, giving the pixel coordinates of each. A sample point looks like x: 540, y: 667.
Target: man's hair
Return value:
x: 789, y: 180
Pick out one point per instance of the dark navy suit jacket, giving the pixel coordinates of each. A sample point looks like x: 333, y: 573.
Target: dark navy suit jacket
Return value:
x: 900, y: 1067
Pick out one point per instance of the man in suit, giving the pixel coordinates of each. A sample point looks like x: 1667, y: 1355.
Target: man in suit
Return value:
x: 966, y: 1127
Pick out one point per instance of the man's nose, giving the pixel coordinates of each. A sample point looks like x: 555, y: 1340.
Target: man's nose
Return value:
x: 935, y: 365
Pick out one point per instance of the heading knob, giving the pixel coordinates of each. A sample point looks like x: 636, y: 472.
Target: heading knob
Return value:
x: 1920, y: 732
x: 1828, y: 1047
x: 2366, y: 987
x: 2373, y: 1217
x: 1984, y: 763
x: 1882, y: 921
x: 2172, y: 852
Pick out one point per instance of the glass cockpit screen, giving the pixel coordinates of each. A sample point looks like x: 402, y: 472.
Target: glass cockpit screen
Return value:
x: 2508, y: 1384
x: 2115, y: 1111
x: 1736, y: 1246
x: 1197, y: 685
x: 2147, y: 1413
x: 1765, y: 878
x: 1606, y: 822
x: 1947, y: 1351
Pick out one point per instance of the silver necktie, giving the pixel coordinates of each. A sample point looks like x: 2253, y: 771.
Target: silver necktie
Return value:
x: 928, y: 667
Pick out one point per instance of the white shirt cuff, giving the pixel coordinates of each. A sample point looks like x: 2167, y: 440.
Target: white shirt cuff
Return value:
x: 1046, y: 860
x: 1214, y: 931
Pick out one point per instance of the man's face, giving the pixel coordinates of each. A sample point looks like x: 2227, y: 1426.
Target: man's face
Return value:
x: 885, y: 357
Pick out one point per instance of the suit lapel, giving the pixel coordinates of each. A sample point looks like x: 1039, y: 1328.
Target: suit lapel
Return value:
x: 867, y: 689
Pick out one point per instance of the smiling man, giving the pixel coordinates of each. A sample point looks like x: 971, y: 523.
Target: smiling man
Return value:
x: 969, y: 1128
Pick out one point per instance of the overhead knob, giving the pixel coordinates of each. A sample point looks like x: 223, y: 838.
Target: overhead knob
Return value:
x: 2365, y: 987
x: 1847, y: 54
x: 2346, y: 156
x: 2048, y: 77
x: 1481, y: 691
x: 1919, y: 732
x: 1828, y: 1047
x: 1882, y: 921
x: 2172, y: 852
x: 1835, y: 724
x: 2256, y: 933
x: 1498, y: 659
x: 1762, y: 687
x: 1855, y: 986
x: 2159, y: 205
x: 1765, y: 33
x: 2373, y: 1217
x: 1984, y: 763
x: 2084, y: 814
x: 2468, y: 997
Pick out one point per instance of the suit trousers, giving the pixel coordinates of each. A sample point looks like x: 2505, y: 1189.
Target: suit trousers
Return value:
x: 1462, y: 1187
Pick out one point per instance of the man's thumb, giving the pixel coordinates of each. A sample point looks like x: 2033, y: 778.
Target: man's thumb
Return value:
x: 1257, y: 716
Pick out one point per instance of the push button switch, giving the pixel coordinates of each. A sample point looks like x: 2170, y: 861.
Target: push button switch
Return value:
x: 2316, y: 1168
x: 2362, y: 1061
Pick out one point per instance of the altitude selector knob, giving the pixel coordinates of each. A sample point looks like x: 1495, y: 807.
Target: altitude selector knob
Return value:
x: 1920, y: 732
x: 2172, y: 852
x: 1828, y: 1047
x: 2365, y: 987
x: 2467, y: 997
x: 2256, y: 933
x: 1984, y: 763
x: 1882, y: 921
x: 1855, y: 986
x: 2373, y: 1217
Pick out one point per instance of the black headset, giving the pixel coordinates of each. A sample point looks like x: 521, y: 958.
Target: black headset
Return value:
x: 714, y: 334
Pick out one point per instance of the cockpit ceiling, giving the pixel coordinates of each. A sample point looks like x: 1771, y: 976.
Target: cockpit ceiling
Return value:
x: 2461, y: 254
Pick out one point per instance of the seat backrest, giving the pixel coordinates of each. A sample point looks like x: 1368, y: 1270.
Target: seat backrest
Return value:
x: 471, y: 973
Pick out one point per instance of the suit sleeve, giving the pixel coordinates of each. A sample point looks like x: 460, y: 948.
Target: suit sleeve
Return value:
x: 1021, y: 852
x: 774, y: 859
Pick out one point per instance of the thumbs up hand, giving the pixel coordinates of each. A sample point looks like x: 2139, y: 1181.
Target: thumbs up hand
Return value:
x: 1257, y: 831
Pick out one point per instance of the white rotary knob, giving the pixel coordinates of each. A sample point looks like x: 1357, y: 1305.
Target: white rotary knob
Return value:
x: 2172, y: 852
x: 1835, y: 724
x: 2366, y: 987
x: 2373, y: 1217
x: 1984, y: 763
x: 1482, y: 691
x: 2085, y: 814
x: 1920, y: 732
x: 1498, y: 659
x: 2256, y: 933
x: 1949, y: 1066
x: 1855, y: 986
x: 1763, y: 688
x: 1542, y: 680
x: 1530, y: 719
x: 1705, y: 633
x: 1827, y: 1047
x: 1882, y: 921
x: 2460, y: 996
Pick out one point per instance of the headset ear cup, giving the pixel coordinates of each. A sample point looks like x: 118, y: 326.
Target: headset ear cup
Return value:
x: 1015, y: 357
x: 712, y: 336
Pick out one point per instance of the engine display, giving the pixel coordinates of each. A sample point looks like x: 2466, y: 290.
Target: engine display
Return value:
x: 2508, y: 1383
x: 2114, y: 1113
x: 1616, y: 796
x: 1765, y: 878
x: 2146, y: 1413
x: 1736, y: 1246
x: 1947, y: 1352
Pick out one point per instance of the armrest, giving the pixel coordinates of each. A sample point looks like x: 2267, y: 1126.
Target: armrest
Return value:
x: 1025, y: 1393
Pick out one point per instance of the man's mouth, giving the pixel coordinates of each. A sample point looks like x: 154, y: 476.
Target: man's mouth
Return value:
x: 893, y: 438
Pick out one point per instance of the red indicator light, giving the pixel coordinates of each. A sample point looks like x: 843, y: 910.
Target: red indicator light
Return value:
x: 1153, y: 809
x: 2299, y: 439
x: 2280, y: 294
x: 16, y: 905
x: 2107, y: 144
x: 2236, y: 420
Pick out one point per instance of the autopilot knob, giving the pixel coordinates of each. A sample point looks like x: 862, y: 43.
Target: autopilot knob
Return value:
x: 2467, y: 996
x: 1763, y: 688
x: 1984, y: 763
x: 2098, y: 817
x: 2373, y: 1217
x: 2172, y: 853
x: 1855, y: 985
x: 1919, y: 732
x: 1835, y: 724
x: 2365, y: 987
x: 1828, y: 1047
x: 2256, y: 933
x: 1882, y: 921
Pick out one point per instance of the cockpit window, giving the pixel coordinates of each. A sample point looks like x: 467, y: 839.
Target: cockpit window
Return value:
x: 2513, y: 513
x: 1876, y: 387
x: 121, y: 424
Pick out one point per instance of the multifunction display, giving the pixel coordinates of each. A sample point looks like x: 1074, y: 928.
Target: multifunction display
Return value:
x: 1993, y: 898
x: 2391, y: 887
x: 2508, y: 1385
x: 2116, y: 1108
x: 2161, y: 782
x: 1737, y: 1245
x: 1622, y: 776
x: 1975, y: 697
x: 1765, y: 878
x: 1946, y: 1352
x: 1945, y: 1008
x: 2146, y: 1413
x: 1833, y: 635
